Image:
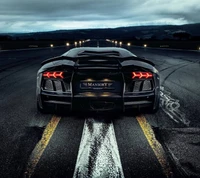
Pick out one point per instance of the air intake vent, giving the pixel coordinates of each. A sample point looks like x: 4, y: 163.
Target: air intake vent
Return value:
x: 48, y: 85
x: 146, y: 85
x: 139, y: 86
x: 103, y: 53
x: 56, y: 85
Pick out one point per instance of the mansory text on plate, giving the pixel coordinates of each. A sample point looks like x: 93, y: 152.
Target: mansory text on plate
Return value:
x: 98, y: 79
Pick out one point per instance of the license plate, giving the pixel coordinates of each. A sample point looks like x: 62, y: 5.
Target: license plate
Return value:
x: 97, y: 85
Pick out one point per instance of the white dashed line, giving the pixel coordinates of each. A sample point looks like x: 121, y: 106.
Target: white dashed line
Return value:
x: 98, y: 154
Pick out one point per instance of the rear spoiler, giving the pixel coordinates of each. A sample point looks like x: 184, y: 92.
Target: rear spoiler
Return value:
x: 82, y: 58
x: 142, y: 59
x: 117, y: 59
x: 101, y: 61
x: 56, y: 58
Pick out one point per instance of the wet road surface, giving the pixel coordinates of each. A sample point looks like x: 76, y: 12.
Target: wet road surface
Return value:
x: 70, y: 145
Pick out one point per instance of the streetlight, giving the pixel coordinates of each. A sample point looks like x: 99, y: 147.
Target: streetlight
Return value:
x: 51, y: 45
x: 145, y: 45
x: 67, y: 44
x: 120, y: 43
x: 128, y: 44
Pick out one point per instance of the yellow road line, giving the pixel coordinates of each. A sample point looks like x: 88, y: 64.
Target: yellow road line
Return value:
x: 155, y: 145
x: 40, y: 147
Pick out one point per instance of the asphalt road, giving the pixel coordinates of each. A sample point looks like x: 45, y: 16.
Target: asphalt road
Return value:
x: 70, y: 145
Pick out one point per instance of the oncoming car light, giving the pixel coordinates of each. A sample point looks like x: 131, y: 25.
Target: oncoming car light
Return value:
x: 142, y: 75
x: 53, y: 74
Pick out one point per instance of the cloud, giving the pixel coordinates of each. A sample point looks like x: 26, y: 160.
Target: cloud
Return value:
x: 37, y: 15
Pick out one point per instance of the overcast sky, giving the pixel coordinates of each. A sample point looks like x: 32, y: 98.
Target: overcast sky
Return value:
x: 46, y: 15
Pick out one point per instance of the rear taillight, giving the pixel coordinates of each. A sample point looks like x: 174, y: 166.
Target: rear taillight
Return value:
x: 142, y: 75
x: 53, y: 74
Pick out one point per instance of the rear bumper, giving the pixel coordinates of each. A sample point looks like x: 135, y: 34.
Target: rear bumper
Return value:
x: 141, y: 100
x: 98, y: 102
x: 101, y: 102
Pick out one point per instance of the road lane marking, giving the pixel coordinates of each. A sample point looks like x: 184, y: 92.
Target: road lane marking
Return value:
x: 41, y: 146
x: 155, y: 145
x: 98, y: 154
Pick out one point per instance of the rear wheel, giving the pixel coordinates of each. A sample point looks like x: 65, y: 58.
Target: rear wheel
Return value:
x: 49, y: 108
x: 156, y: 108
x: 42, y: 109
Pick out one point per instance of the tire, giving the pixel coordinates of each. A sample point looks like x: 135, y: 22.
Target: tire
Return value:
x: 154, y: 110
x: 43, y: 110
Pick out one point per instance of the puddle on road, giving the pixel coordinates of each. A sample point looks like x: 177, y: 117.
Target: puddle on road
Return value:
x: 171, y: 107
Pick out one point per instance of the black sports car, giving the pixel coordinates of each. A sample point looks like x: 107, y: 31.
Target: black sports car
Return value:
x: 98, y: 79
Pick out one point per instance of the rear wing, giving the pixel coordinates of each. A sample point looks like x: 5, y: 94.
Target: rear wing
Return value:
x: 55, y: 59
x: 98, y: 60
x: 138, y: 59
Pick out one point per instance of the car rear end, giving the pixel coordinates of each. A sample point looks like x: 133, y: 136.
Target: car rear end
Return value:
x: 99, y: 84
x: 98, y: 89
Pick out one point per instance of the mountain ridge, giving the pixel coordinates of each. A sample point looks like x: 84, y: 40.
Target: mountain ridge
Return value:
x: 156, y: 32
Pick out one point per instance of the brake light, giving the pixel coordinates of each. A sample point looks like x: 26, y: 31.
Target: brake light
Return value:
x: 53, y: 74
x: 141, y: 75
